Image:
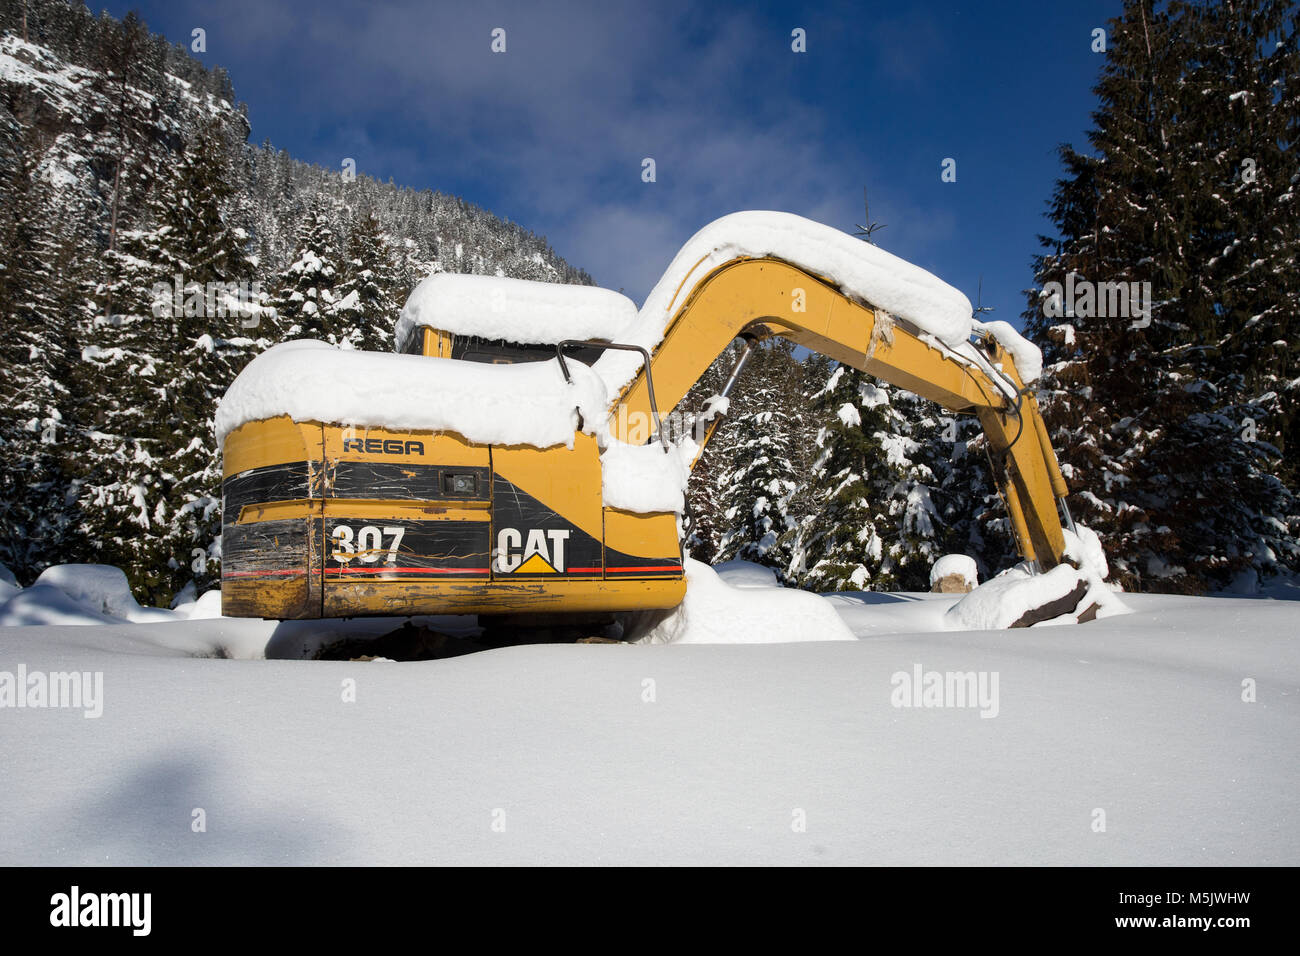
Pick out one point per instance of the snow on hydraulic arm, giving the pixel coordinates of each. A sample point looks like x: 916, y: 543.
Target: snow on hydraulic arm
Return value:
x: 467, y: 476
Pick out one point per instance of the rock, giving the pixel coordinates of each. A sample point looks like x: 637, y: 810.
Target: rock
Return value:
x: 951, y: 584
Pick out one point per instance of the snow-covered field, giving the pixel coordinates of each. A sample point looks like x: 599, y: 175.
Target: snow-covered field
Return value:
x: 697, y: 753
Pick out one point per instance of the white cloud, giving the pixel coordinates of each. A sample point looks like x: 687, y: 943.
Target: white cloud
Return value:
x: 559, y: 124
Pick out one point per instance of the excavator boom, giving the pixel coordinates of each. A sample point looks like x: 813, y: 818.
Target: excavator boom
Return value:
x: 768, y: 297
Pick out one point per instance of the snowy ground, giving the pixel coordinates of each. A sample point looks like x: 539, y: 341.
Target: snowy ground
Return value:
x: 773, y: 753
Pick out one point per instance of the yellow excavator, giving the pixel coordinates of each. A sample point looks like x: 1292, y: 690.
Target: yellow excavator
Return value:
x: 328, y: 519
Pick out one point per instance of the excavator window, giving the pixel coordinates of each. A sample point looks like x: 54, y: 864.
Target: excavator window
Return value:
x: 500, y: 352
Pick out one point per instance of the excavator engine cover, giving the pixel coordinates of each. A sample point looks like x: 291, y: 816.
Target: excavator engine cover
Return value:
x: 325, y: 521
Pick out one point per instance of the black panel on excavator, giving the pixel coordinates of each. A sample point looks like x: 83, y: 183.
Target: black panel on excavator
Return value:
x: 256, y: 486
x: 500, y: 352
x: 532, y: 540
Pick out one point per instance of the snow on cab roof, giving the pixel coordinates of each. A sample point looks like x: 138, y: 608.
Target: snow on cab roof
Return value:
x: 517, y: 310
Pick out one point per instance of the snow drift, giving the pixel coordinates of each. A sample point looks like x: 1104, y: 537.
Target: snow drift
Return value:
x: 715, y: 612
x: 1141, y: 714
x: 88, y: 594
x: 102, y: 589
x: 739, y: 573
x: 1001, y: 601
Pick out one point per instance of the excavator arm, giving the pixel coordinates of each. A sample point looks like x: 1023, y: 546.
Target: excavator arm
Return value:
x: 761, y: 297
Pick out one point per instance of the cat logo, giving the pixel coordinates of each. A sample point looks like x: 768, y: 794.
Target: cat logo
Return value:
x: 541, y: 552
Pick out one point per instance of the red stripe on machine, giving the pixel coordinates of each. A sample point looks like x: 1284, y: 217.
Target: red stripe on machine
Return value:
x: 407, y: 570
x: 649, y: 567
x: 289, y: 572
x: 262, y: 574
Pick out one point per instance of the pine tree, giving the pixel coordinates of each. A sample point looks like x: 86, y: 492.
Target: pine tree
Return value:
x: 847, y: 544
x: 972, y: 516
x: 1244, y: 60
x: 916, y: 534
x: 1151, y: 412
x: 304, y: 290
x: 367, y: 296
x: 703, y: 518
x: 125, y: 495
x: 806, y: 502
x: 761, y: 477
x: 137, y: 172
x: 210, y: 352
x: 36, y: 406
x: 215, y: 248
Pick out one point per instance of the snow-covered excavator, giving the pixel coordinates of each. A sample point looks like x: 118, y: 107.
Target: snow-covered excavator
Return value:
x: 510, y: 456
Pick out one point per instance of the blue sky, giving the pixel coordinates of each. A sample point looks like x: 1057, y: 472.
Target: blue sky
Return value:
x: 552, y: 133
